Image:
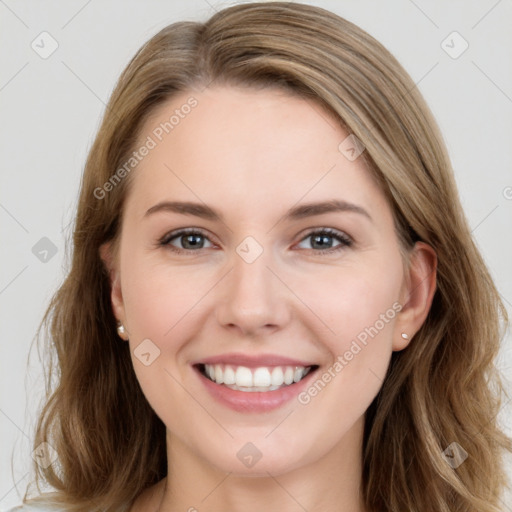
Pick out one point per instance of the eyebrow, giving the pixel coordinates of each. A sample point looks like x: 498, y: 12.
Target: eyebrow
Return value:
x: 295, y: 213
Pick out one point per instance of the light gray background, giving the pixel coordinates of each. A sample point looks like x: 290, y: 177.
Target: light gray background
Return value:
x: 51, y: 109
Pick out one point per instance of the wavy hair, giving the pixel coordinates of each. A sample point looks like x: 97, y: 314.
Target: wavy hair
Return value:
x: 443, y: 388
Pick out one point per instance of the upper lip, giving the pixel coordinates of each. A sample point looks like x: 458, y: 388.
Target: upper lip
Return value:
x: 253, y: 361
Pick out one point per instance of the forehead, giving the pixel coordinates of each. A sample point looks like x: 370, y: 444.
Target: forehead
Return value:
x: 247, y: 146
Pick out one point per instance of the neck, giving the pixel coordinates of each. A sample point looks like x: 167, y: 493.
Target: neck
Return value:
x: 332, y: 482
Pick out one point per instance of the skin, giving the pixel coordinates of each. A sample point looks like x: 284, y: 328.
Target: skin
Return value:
x: 251, y: 155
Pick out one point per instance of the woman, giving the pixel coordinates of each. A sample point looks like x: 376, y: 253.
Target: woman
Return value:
x: 275, y: 300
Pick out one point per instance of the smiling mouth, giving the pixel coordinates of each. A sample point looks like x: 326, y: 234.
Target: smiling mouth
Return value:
x: 261, y: 379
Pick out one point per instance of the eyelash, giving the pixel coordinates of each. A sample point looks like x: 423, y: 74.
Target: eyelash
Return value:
x: 341, y: 237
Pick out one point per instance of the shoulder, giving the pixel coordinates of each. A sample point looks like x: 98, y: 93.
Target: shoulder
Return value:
x: 33, y: 508
x: 30, y: 508
x: 36, y: 507
x: 47, y: 504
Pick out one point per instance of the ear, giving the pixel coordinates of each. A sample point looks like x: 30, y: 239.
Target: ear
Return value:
x: 116, y: 296
x: 416, y: 294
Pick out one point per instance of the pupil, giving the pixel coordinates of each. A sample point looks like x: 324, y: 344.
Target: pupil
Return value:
x: 323, y: 240
x: 192, y: 241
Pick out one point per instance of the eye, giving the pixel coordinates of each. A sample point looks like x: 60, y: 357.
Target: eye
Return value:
x: 190, y: 239
x: 321, y: 240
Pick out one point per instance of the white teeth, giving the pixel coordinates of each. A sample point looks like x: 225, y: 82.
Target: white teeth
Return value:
x: 219, y: 377
x: 288, y: 375
x: 229, y: 375
x: 258, y: 379
x: 262, y: 377
x: 297, y: 374
x: 243, y: 376
x: 277, y: 376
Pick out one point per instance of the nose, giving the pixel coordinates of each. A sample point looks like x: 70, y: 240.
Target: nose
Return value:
x: 254, y: 298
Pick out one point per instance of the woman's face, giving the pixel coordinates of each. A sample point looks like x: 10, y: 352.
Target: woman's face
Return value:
x: 256, y: 289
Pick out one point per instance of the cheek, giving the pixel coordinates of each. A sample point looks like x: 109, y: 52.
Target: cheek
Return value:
x: 164, y: 303
x: 362, y: 305
x: 161, y: 305
x: 355, y: 302
x: 158, y: 295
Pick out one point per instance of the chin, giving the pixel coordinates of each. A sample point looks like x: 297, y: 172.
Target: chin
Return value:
x: 258, y: 459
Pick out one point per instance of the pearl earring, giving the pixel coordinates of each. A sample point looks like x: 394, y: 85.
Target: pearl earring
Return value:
x: 121, y: 331
x: 405, y: 336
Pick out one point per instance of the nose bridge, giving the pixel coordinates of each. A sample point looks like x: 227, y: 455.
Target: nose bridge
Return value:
x: 253, y: 297
x: 251, y: 277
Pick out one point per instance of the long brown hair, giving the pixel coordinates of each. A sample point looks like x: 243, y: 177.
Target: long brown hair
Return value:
x: 443, y: 388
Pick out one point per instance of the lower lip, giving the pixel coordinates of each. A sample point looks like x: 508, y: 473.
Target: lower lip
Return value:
x: 254, y: 401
